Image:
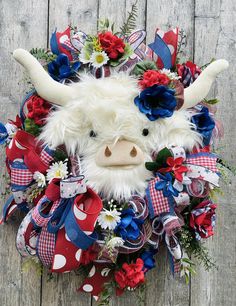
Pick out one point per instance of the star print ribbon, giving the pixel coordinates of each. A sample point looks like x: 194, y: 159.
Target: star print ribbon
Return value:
x: 141, y: 51
x: 202, y: 171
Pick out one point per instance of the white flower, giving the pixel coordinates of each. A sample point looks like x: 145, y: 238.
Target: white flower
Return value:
x: 108, y: 219
x: 98, y: 59
x: 84, y: 56
x: 57, y: 170
x: 39, y: 178
x: 115, y: 242
x: 171, y: 75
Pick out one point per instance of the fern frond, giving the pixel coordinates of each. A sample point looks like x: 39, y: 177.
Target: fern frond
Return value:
x: 130, y: 24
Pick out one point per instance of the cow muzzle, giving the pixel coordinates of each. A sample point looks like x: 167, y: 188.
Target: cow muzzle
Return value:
x: 122, y: 154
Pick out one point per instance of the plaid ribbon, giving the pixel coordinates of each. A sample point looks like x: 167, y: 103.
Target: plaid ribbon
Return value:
x: 201, y: 166
x: 157, y: 203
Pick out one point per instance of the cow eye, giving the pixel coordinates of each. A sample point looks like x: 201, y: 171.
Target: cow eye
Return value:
x: 145, y: 132
x: 92, y: 134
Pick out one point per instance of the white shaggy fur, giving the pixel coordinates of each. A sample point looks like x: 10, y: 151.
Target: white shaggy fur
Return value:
x: 107, y: 107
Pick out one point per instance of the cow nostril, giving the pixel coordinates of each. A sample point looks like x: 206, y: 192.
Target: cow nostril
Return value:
x: 133, y: 152
x: 107, y: 152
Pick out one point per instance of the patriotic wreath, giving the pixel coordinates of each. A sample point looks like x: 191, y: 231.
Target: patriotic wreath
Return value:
x: 111, y: 154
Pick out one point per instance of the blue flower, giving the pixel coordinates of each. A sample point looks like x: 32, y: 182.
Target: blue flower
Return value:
x: 3, y: 134
x: 148, y: 260
x: 156, y: 102
x: 204, y: 124
x: 166, y: 185
x: 128, y: 227
x: 61, y: 68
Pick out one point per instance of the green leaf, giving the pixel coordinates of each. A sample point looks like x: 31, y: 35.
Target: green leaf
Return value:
x: 31, y: 127
x: 141, y: 67
x: 162, y: 157
x: 211, y: 101
x: 59, y: 155
x: 151, y: 166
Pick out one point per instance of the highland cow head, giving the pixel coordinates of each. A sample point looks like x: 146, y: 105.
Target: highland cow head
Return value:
x: 98, y: 120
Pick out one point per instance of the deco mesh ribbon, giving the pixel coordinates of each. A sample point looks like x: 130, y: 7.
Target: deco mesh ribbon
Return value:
x: 69, y: 222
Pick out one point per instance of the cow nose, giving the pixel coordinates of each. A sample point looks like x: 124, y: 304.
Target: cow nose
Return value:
x: 122, y: 154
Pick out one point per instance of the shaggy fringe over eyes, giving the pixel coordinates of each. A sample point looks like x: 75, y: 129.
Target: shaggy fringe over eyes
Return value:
x: 106, y: 106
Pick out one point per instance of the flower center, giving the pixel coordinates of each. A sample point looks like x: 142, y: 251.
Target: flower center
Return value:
x: 109, y: 218
x: 99, y: 58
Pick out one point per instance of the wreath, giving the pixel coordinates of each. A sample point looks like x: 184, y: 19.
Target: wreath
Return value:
x: 112, y: 154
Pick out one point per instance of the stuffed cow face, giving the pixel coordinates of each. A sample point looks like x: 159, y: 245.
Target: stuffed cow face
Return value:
x: 98, y: 120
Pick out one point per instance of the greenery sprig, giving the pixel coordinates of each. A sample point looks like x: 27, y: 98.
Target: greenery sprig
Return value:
x: 130, y: 23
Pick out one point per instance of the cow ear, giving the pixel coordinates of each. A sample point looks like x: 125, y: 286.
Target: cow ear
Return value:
x: 62, y: 127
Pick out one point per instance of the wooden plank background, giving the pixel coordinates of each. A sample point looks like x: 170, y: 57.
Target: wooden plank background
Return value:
x: 210, y: 27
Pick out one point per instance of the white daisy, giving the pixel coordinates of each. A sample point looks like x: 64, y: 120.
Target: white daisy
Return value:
x: 39, y: 178
x: 108, y: 219
x: 115, y: 242
x: 171, y: 75
x: 98, y: 59
x: 57, y: 170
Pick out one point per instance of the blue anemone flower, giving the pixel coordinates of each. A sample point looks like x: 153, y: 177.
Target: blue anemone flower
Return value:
x: 128, y: 227
x: 60, y: 68
x: 166, y: 185
x: 204, y: 124
x: 148, y: 259
x: 157, y: 101
x: 3, y: 134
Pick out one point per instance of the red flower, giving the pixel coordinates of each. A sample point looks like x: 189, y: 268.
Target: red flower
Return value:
x: 88, y: 256
x: 131, y: 275
x: 152, y: 77
x: 17, y: 122
x: 175, y: 166
x: 111, y: 44
x: 38, y: 109
x: 202, y: 219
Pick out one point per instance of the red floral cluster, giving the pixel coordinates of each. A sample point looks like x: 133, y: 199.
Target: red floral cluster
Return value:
x: 111, y: 44
x: 38, y: 109
x: 152, y: 77
x: 88, y: 256
x: 202, y: 219
x: 131, y: 275
x: 175, y: 165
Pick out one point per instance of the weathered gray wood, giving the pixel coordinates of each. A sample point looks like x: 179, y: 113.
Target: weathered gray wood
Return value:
x: 163, y: 289
x: 19, y: 27
x: 214, y: 37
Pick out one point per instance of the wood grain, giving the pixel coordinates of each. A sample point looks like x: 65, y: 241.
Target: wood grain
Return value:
x: 213, y: 38
x: 210, y: 27
x: 19, y: 27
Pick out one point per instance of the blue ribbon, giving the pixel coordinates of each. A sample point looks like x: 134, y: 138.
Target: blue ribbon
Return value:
x: 162, y: 50
x: 76, y: 235
x: 64, y: 215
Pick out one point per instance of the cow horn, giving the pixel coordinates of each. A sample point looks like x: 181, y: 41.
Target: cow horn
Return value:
x: 200, y: 88
x: 45, y: 86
